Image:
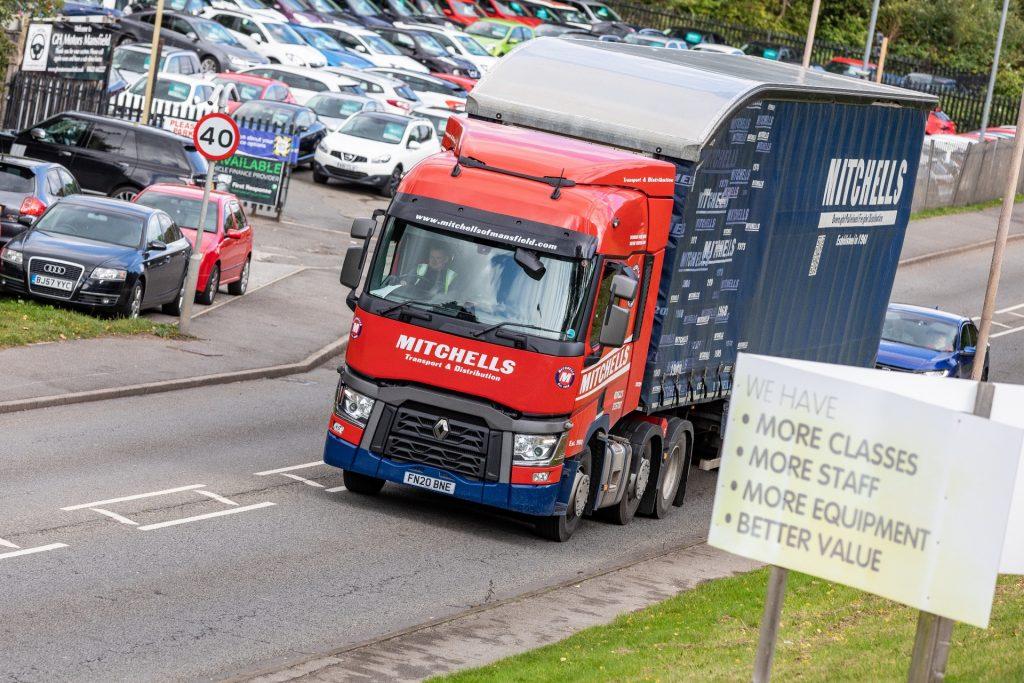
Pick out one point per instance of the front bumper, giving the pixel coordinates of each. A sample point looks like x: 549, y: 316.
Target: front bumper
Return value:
x: 359, y: 173
x: 92, y: 293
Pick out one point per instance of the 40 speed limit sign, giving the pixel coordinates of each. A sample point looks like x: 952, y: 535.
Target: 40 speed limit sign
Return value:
x: 216, y: 136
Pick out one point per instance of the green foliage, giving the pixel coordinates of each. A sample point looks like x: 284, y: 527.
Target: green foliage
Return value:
x: 11, y: 11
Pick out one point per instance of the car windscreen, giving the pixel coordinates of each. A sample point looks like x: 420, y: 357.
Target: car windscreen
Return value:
x: 183, y: 210
x: 246, y: 91
x: 466, y: 9
x: 320, y: 40
x: 260, y: 110
x: 284, y: 34
x: 605, y: 13
x: 922, y: 331
x: 485, y: 29
x: 407, y: 92
x: 377, y: 128
x: 16, y: 179
x: 363, y: 8
x: 379, y: 45
x: 99, y: 225
x: 471, y: 46
x: 164, y: 89
x: 478, y: 281
x: 335, y: 107
x: 132, y: 60
x: 215, y: 33
x: 430, y: 45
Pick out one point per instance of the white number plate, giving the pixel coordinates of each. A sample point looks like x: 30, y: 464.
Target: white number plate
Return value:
x: 429, y: 483
x: 345, y: 166
x: 53, y: 282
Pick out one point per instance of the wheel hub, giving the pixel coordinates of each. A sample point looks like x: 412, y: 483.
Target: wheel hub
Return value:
x: 581, y: 493
x: 642, y: 475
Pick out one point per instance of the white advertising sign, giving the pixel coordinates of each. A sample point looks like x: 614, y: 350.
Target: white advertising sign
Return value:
x: 1008, y: 407
x: 865, y: 487
x: 37, y: 47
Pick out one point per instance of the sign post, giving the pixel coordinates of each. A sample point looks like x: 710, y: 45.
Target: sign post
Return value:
x: 216, y: 138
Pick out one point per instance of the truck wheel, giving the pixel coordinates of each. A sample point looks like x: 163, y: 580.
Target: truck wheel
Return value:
x: 641, y: 437
x: 560, y: 528
x: 671, y: 473
x: 361, y: 483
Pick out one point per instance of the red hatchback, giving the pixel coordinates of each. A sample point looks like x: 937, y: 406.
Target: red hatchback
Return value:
x: 255, y: 88
x: 227, y: 240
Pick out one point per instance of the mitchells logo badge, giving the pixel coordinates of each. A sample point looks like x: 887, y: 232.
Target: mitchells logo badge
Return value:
x: 356, y: 329
x: 564, y: 377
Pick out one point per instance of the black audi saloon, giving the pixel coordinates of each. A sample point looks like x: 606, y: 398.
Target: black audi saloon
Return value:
x: 102, y: 253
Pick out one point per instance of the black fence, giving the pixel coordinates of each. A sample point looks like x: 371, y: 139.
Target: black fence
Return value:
x: 33, y: 97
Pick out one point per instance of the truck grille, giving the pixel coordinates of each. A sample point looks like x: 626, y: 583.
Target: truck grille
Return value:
x: 53, y: 268
x: 462, y: 449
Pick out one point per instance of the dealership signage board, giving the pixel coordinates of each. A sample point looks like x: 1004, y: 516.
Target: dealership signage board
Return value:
x: 73, y: 50
x: 255, y: 180
x: 269, y: 144
x: 866, y: 487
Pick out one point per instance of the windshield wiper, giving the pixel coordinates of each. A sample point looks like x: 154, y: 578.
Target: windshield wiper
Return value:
x: 422, y: 315
x: 492, y: 328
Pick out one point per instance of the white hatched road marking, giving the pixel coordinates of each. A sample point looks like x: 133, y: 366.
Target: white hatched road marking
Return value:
x: 1009, y: 310
x: 290, y: 468
x: 217, y: 497
x: 137, y: 496
x: 336, y: 489
x: 303, y: 480
x: 115, y: 516
x: 209, y: 515
x: 33, y: 551
x: 8, y: 544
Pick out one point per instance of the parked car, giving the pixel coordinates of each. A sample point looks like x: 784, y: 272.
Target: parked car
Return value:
x: 284, y: 116
x: 407, y: 11
x: 499, y: 35
x: 370, y: 45
x: 560, y: 30
x: 466, y: 84
x: 170, y: 90
x: 939, y: 122
x: 374, y: 150
x: 130, y: 62
x: 227, y: 235
x: 460, y: 45
x: 551, y: 12
x: 655, y: 41
x: 275, y: 41
x: 438, y: 117
x: 305, y: 82
x: 110, y: 156
x: 695, y: 36
x: 433, y: 92
x: 422, y: 47
x: 297, y: 12
x: 181, y: 6
x: 461, y: 12
x: 773, y: 51
x: 393, y: 94
x: 250, y: 87
x: 217, y: 48
x: 720, y: 49
x: 334, y: 52
x: 102, y: 253
x: 929, y: 342
x: 333, y: 109
x: 848, y: 66
x: 27, y: 188
x: 597, y: 12
x: 929, y: 82
x: 250, y: 8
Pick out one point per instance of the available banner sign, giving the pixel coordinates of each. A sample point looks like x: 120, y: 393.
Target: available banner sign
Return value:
x: 825, y: 473
x: 254, y: 180
x: 72, y: 50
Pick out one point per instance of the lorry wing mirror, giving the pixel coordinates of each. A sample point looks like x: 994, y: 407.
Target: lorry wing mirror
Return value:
x: 624, y: 287
x: 530, y: 262
x: 613, y: 332
x: 352, y: 268
x: 362, y: 228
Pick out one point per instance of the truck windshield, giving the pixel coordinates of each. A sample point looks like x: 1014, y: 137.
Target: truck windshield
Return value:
x: 478, y: 281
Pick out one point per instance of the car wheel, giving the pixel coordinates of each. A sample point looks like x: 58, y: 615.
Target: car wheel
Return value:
x: 560, y: 528
x: 238, y: 287
x: 174, y: 306
x: 207, y: 296
x: 209, y: 65
x: 361, y: 483
x: 132, y: 307
x: 124, y: 193
x: 390, y: 188
x: 319, y: 176
x: 125, y: 40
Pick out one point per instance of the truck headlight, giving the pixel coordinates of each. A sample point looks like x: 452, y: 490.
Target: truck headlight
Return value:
x: 537, y: 450
x: 353, y: 405
x: 108, y: 274
x: 12, y: 256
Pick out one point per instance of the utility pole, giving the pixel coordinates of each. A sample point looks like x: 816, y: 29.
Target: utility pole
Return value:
x: 154, y: 55
x: 871, y: 33
x: 987, y: 110
x: 812, y: 27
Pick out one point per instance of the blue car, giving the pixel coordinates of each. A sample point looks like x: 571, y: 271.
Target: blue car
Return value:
x: 928, y: 342
x: 27, y: 188
x: 335, y: 53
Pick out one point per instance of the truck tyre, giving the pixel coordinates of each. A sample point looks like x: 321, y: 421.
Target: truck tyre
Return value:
x: 668, y: 477
x: 361, y: 483
x: 641, y: 437
x: 560, y: 528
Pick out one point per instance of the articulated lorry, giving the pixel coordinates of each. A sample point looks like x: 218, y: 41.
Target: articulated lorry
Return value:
x: 553, y: 305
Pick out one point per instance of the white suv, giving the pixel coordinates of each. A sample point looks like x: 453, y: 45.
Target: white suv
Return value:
x: 276, y: 41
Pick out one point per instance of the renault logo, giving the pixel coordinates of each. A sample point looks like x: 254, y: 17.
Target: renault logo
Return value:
x: 441, y: 429
x: 54, y: 269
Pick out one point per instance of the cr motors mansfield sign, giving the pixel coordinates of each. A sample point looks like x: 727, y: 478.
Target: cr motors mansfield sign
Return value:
x: 73, y: 50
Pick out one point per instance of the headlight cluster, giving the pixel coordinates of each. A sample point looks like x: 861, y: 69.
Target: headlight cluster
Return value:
x: 322, y: 147
x: 354, y: 406
x: 12, y: 256
x: 382, y: 159
x: 538, y: 449
x: 108, y: 274
x: 936, y: 373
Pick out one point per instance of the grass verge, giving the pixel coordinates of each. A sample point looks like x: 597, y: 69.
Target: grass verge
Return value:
x: 828, y: 632
x: 953, y: 210
x: 29, y: 322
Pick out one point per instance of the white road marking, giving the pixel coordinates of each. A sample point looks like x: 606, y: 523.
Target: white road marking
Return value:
x: 137, y: 496
x: 217, y: 496
x: 114, y: 515
x: 1015, y: 314
x: 225, y: 302
x: 33, y: 551
x: 1001, y: 324
x: 1006, y: 332
x: 336, y: 489
x: 209, y: 515
x: 8, y: 544
x: 303, y: 480
x: 1010, y: 308
x: 289, y: 469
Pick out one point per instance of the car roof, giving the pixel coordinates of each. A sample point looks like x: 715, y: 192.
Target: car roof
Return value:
x: 88, y: 201
x: 25, y: 162
x: 354, y: 30
x: 145, y: 47
x: 366, y: 74
x: 395, y: 118
x: 134, y: 125
x: 286, y: 106
x: 248, y: 78
x: 342, y: 96
x: 503, y: 22
x: 933, y: 313
x: 190, y: 191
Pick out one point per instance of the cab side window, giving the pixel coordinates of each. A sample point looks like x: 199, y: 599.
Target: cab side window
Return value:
x: 604, y: 299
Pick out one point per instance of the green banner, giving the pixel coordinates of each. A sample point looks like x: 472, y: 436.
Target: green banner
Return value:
x: 254, y: 180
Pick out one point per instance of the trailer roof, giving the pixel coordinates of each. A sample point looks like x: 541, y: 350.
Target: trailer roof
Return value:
x: 653, y: 100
